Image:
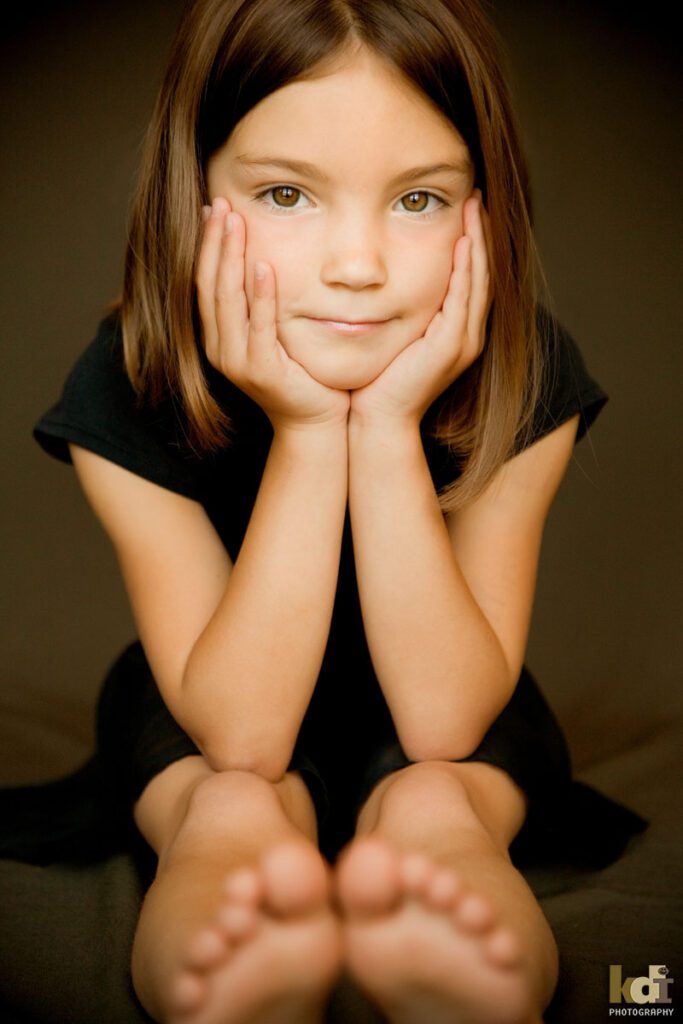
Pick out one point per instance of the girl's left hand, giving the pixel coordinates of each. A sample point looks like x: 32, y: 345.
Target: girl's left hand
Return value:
x: 454, y: 337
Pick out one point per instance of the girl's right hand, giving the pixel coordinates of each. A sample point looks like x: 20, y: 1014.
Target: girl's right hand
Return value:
x: 242, y: 344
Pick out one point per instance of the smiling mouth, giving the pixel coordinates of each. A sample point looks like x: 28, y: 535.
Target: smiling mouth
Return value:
x: 349, y: 326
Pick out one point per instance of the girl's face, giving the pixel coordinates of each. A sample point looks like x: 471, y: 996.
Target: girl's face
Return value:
x: 352, y: 187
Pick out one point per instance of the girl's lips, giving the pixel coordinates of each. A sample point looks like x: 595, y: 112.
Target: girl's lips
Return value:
x: 347, y: 327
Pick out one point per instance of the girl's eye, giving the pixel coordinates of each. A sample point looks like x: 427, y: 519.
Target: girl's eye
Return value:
x: 285, y: 197
x: 281, y: 198
x: 417, y: 202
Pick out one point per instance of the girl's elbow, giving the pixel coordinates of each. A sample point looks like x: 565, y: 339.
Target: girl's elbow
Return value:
x: 441, y: 741
x: 233, y: 748
x: 266, y: 760
x: 456, y: 733
x: 432, y: 747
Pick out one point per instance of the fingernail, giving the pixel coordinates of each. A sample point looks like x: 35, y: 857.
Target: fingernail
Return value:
x: 259, y: 270
x: 230, y: 224
x: 219, y: 206
x: 206, y: 213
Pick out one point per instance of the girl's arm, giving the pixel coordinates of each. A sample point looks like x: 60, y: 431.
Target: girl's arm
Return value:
x: 446, y: 603
x: 235, y: 650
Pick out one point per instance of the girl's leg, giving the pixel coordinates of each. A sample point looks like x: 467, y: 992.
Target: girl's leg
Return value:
x: 439, y: 926
x: 237, y: 926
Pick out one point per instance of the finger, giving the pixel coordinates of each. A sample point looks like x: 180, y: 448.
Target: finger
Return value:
x: 230, y: 298
x: 261, y: 343
x: 206, y: 271
x: 456, y: 304
x: 486, y: 224
x: 449, y: 323
x: 479, y: 296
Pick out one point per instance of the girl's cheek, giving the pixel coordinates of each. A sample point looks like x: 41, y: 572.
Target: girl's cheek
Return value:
x: 432, y: 266
x: 285, y: 257
x: 431, y: 281
x: 285, y: 250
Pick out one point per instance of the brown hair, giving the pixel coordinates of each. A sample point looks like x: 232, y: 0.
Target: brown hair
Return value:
x: 228, y: 55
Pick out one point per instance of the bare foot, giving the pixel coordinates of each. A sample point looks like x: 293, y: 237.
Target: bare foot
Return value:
x: 268, y: 953
x: 423, y: 946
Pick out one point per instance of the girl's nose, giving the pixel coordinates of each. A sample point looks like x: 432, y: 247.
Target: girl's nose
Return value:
x: 353, y: 257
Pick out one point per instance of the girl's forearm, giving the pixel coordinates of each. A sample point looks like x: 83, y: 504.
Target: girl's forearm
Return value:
x: 251, y: 674
x: 438, y: 661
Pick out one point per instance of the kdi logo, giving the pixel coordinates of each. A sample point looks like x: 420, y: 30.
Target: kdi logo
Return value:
x: 651, y: 988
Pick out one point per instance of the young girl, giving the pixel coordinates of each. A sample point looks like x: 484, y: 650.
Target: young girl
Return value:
x: 323, y: 429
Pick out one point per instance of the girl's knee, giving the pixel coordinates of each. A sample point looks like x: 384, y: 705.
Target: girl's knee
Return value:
x: 236, y: 800
x: 207, y: 804
x: 468, y: 798
x: 190, y: 799
x: 232, y: 797
x: 421, y: 794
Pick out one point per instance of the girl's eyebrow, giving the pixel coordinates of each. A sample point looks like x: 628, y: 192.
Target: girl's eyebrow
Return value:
x: 461, y: 169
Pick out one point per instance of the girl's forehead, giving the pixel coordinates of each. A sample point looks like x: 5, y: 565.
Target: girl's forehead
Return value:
x: 362, y: 105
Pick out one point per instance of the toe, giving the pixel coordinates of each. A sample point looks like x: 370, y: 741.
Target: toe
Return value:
x: 237, y: 921
x: 206, y: 949
x: 245, y: 885
x: 188, y: 992
x: 415, y: 872
x: 295, y: 877
x: 442, y: 889
x: 367, y: 877
x: 503, y: 948
x: 474, y: 913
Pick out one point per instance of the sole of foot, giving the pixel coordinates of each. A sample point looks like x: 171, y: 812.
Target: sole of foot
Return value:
x: 423, y: 945
x: 271, y: 951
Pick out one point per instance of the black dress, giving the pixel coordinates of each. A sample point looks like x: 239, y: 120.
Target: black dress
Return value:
x: 347, y: 740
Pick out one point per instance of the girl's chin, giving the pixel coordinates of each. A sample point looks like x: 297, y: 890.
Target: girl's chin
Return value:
x: 341, y: 379
x: 338, y: 373
x: 347, y: 364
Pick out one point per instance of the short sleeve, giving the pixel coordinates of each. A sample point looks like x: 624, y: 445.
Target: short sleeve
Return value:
x: 569, y: 386
x: 98, y: 410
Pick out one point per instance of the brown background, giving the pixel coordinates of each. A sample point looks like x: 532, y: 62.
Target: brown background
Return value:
x: 600, y: 100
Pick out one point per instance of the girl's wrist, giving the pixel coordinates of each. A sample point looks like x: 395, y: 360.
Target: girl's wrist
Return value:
x: 379, y: 425
x: 311, y: 436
